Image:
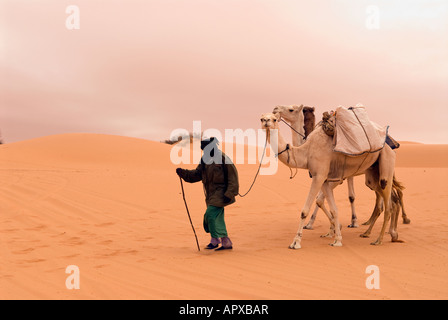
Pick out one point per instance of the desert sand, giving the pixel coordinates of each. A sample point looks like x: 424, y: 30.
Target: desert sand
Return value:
x: 112, y: 206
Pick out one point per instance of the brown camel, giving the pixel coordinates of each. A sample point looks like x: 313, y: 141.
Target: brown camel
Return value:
x: 309, y: 120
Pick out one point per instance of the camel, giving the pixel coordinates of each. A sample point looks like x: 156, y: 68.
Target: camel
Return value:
x: 396, y: 203
x: 316, y: 155
x: 296, y: 116
x: 309, y: 120
x: 308, y: 124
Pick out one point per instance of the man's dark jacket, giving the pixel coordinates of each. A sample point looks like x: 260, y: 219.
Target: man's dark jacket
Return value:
x: 213, y: 177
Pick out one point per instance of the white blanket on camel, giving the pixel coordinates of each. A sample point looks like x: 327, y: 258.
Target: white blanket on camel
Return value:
x: 355, y: 134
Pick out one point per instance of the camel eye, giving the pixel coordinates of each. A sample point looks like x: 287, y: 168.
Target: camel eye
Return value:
x: 291, y: 110
x: 275, y: 120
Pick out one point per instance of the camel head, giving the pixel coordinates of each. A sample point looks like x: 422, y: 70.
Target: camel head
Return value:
x: 270, y: 121
x: 308, y: 111
x: 289, y: 113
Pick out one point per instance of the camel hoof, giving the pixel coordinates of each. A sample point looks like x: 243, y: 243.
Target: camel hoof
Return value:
x: 336, y: 244
x: 364, y: 235
x: 308, y: 227
x: 397, y: 241
x: 406, y: 221
x: 328, y: 235
x: 353, y: 225
x: 294, y: 246
x: 376, y: 243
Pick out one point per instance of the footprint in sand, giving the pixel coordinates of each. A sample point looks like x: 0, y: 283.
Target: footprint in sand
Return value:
x: 106, y: 224
x: 73, y: 241
x: 9, y: 230
x: 37, y: 228
x: 35, y: 260
x: 71, y: 256
x: 106, y: 242
x: 24, y: 251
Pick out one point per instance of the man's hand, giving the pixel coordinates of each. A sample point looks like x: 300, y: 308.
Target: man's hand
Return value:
x: 179, y: 171
x: 226, y: 199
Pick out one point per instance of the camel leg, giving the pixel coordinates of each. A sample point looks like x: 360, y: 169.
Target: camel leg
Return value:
x: 395, y: 207
x: 328, y: 191
x: 387, y: 214
x: 375, y: 214
x: 386, y: 171
x: 372, y: 178
x: 405, y: 218
x: 316, y: 185
x: 398, y: 187
x: 329, y: 215
x: 319, y: 202
x: 379, y: 206
x: 351, y: 198
x: 310, y: 223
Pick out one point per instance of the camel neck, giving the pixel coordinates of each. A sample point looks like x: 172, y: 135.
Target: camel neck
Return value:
x: 297, y: 138
x: 291, y: 156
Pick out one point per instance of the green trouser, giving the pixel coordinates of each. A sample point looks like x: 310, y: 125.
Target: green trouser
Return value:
x: 214, y: 222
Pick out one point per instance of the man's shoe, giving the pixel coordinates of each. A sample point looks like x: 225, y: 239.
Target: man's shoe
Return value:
x: 224, y: 248
x: 211, y: 246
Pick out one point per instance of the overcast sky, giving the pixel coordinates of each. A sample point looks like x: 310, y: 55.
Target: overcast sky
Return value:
x: 144, y: 68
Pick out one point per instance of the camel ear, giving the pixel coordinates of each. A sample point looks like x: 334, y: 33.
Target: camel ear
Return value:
x: 277, y: 115
x: 312, y: 108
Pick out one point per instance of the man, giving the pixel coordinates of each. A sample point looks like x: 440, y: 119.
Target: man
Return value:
x: 220, y: 181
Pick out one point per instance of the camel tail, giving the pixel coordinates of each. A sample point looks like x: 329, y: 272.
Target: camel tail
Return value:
x: 397, y: 191
x: 396, y: 196
x: 398, y: 185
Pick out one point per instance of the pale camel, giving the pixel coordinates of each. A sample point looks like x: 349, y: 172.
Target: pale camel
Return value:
x: 289, y: 115
x: 295, y: 118
x: 316, y: 155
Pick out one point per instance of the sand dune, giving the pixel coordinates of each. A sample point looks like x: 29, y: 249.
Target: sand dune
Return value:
x: 112, y: 206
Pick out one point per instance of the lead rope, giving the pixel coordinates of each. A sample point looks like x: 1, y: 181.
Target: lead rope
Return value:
x: 300, y: 134
x: 258, y: 171
x: 287, y: 150
x: 295, y: 164
x: 291, y: 176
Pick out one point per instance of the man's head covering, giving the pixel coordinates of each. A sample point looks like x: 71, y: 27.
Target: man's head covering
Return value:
x: 209, y: 146
x: 206, y: 142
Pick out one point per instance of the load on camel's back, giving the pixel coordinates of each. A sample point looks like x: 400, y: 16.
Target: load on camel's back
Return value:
x: 353, y: 133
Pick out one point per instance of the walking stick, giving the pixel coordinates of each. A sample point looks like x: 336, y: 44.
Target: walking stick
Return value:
x: 186, y: 206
